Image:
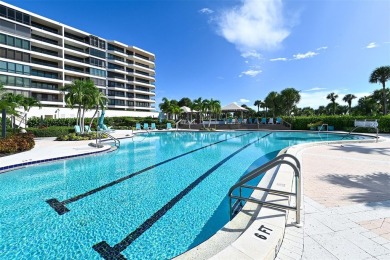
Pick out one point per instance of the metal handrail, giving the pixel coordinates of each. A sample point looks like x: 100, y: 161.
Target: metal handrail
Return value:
x: 116, y: 141
x: 177, y: 124
x: 277, y: 161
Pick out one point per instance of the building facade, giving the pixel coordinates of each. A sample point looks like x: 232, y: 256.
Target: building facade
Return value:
x: 39, y: 56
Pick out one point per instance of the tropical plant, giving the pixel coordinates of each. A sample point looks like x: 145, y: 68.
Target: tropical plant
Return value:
x: 165, y: 106
x: 185, y: 102
x: 80, y: 94
x: 214, y: 106
x: 332, y: 97
x: 348, y: 98
x: 381, y: 75
x: 99, y: 100
x: 258, y: 103
x: 271, y: 101
x: 290, y: 97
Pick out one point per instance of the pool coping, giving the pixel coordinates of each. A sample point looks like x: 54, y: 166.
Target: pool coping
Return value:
x: 237, y: 239
x: 12, y: 167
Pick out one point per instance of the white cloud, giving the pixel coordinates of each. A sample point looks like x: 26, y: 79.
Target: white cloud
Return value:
x: 206, y: 11
x: 243, y: 100
x: 306, y: 55
x: 251, y: 54
x: 278, y: 59
x: 371, y: 45
x: 313, y: 89
x: 322, y: 48
x: 314, y: 99
x: 251, y: 73
x: 254, y: 25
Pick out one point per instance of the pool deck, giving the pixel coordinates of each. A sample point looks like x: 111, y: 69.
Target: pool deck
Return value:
x: 346, y: 197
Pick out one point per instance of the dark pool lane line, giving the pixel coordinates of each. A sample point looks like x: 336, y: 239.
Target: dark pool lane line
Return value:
x: 60, y: 208
x: 108, y: 252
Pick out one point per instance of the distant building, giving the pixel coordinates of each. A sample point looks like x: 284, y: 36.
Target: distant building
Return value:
x: 38, y: 56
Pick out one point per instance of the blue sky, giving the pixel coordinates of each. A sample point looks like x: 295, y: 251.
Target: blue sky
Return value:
x: 239, y: 51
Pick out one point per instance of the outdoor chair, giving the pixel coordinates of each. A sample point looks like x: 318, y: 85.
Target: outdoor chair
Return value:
x: 146, y: 126
x: 271, y: 121
x: 153, y: 126
x: 87, y: 129
x: 264, y: 121
x: 278, y: 120
x: 256, y: 121
x: 250, y: 121
x: 77, y: 129
x: 137, y: 126
x: 169, y: 126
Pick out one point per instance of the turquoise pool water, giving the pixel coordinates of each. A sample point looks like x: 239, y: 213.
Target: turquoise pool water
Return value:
x: 156, y: 197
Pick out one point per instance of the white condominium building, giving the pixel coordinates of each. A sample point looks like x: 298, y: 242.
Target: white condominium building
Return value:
x: 39, y: 56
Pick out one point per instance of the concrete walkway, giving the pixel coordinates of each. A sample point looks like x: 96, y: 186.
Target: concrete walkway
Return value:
x: 347, y: 201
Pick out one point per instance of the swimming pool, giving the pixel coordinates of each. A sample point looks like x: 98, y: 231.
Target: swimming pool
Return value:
x: 156, y: 197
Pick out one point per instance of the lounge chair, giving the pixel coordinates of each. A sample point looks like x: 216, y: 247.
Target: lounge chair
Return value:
x: 250, y: 120
x: 77, y: 129
x: 239, y: 120
x: 146, y: 126
x: 137, y: 126
x: 256, y: 121
x: 271, y: 121
x: 264, y: 121
x: 153, y: 126
x: 278, y: 120
x: 230, y: 120
x: 169, y: 126
x: 105, y: 128
x: 87, y: 129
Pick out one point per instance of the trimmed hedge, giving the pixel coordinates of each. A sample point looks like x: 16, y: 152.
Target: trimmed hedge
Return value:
x: 17, y: 143
x: 114, y: 122
x: 52, y: 131
x: 341, y: 123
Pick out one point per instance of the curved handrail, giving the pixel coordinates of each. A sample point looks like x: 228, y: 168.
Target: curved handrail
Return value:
x: 265, y: 167
x: 255, y: 171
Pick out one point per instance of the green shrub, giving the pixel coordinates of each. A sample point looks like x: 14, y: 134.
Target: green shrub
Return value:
x: 52, y: 131
x: 17, y: 143
x: 340, y: 123
x: 75, y: 137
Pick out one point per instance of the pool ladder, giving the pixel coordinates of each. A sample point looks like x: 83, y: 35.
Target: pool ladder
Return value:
x: 117, y: 143
x: 277, y: 161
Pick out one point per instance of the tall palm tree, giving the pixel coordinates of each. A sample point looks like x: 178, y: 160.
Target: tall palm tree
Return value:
x: 99, y: 100
x: 165, y: 106
x: 214, y: 108
x: 258, y: 104
x: 271, y: 101
x: 348, y: 98
x: 74, y: 97
x: 332, y: 97
x: 381, y: 75
x: 290, y: 98
x: 80, y: 95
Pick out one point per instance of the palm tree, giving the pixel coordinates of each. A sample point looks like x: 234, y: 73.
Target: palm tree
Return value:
x: 332, y: 97
x: 165, y: 106
x: 271, y: 101
x: 214, y: 108
x: 381, y: 75
x: 99, y: 100
x: 348, y: 98
x: 80, y: 95
x: 290, y: 98
x: 258, y: 104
